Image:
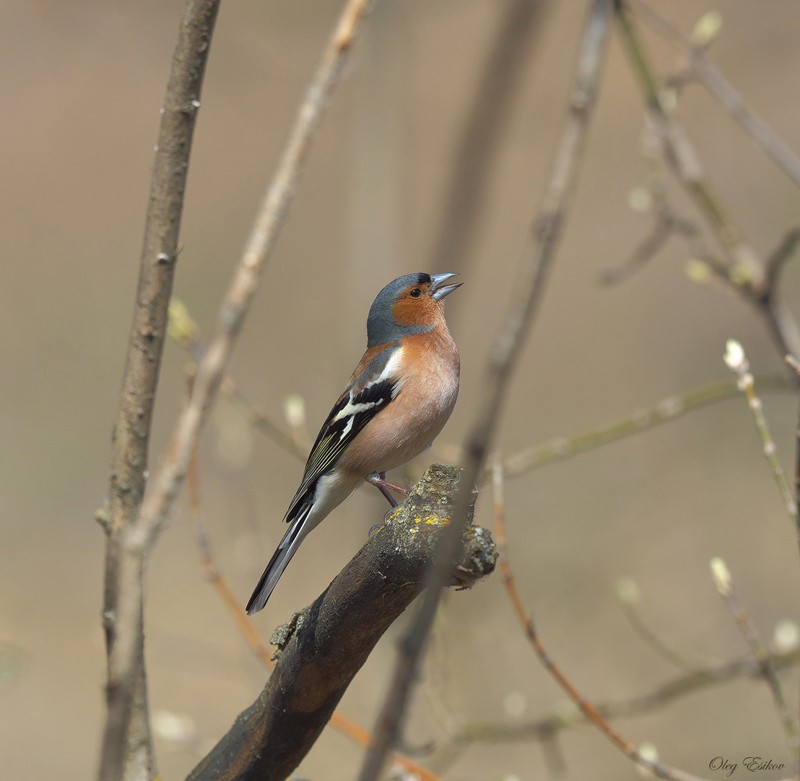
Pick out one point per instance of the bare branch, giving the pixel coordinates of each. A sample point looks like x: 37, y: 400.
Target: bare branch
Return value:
x: 780, y: 320
x: 666, y: 221
x: 507, y: 347
x: 263, y: 652
x: 645, y: 250
x: 236, y: 303
x: 736, y: 361
x: 683, y: 160
x: 185, y: 332
x: 682, y: 686
x: 782, y: 254
x: 629, y: 598
x: 323, y: 647
x: 715, y: 82
x: 667, y: 409
x: 744, y: 270
x: 590, y: 711
x: 476, y: 149
x: 724, y: 584
x: 139, y: 536
x: 127, y: 744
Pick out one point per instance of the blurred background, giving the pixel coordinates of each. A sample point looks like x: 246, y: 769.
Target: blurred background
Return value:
x: 415, y: 117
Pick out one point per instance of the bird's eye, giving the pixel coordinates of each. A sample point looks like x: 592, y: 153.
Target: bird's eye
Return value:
x: 415, y: 292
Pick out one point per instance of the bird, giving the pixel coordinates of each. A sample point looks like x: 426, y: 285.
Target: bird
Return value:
x: 396, y: 402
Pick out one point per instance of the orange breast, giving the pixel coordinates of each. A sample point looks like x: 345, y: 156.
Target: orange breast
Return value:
x: 417, y: 414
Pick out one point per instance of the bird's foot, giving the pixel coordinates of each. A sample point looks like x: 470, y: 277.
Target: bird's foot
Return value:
x: 378, y: 479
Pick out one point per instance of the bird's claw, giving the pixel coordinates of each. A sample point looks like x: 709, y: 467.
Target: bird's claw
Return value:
x: 378, y: 479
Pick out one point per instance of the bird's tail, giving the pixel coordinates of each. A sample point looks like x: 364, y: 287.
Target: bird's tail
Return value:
x: 278, y: 563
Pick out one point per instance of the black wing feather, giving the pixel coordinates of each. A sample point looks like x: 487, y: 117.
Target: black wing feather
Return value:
x: 335, y: 435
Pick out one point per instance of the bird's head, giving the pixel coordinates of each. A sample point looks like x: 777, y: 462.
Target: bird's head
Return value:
x: 411, y: 304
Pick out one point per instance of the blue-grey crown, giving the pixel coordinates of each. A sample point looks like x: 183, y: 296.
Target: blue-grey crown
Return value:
x: 381, y: 326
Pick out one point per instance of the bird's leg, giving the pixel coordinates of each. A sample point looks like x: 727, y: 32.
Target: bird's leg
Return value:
x: 378, y: 479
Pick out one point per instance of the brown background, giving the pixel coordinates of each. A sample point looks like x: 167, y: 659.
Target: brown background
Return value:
x: 81, y: 84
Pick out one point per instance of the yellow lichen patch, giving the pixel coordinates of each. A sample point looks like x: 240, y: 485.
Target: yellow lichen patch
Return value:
x: 432, y: 520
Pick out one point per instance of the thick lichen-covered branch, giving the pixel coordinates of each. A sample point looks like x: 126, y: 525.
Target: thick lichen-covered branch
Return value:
x: 323, y: 646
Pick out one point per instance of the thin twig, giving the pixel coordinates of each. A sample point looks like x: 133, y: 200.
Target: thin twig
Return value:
x: 666, y: 220
x: 590, y: 712
x: 183, y: 329
x: 795, y: 366
x: 715, y: 82
x: 780, y: 319
x: 261, y: 242
x: 780, y: 256
x: 765, y: 299
x: 259, y: 420
x: 503, y: 359
x: 724, y: 583
x: 744, y: 270
x: 737, y: 362
x: 666, y: 410
x: 127, y: 750
x: 667, y: 223
x: 475, y: 153
x: 139, y: 537
x: 630, y: 601
x: 661, y: 232
x: 655, y: 700
x: 683, y: 159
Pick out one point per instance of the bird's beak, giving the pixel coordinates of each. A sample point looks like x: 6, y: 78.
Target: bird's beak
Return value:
x: 440, y: 290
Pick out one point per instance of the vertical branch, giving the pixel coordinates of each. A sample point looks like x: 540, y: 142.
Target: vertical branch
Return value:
x: 771, y: 305
x: 138, y: 537
x: 736, y: 361
x: 145, y: 347
x: 506, y: 350
x: 724, y: 584
x: 792, y: 361
x: 476, y: 149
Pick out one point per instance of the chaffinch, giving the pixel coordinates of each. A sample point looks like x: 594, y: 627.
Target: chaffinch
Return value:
x: 398, y: 399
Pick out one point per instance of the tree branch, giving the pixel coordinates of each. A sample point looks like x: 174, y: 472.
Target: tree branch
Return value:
x: 590, y: 711
x: 126, y: 668
x: 474, y: 156
x: 127, y: 746
x: 503, y: 360
x: 657, y: 699
x: 682, y: 158
x: 263, y: 652
x: 744, y: 270
x: 758, y: 648
x: 715, y: 82
x: 666, y: 410
x: 324, y: 646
